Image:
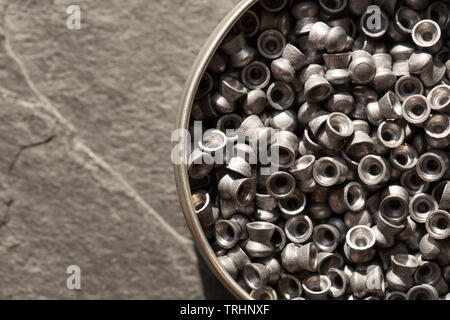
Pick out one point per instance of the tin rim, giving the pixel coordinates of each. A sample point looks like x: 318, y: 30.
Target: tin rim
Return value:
x: 180, y: 170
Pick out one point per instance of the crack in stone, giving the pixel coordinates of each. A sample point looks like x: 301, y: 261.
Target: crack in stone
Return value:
x: 25, y: 147
x: 47, y: 104
x: 8, y: 203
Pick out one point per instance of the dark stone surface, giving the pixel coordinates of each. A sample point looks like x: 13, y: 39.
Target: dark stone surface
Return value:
x: 85, y: 172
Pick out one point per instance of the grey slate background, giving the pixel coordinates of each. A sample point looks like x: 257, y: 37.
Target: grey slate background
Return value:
x: 85, y: 175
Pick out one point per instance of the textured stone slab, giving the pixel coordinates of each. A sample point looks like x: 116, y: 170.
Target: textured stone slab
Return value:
x: 85, y: 121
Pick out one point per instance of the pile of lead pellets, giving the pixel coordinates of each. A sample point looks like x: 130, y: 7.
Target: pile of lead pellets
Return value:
x: 354, y: 98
